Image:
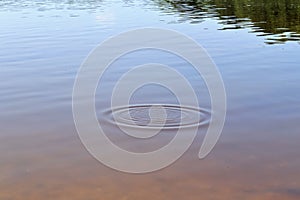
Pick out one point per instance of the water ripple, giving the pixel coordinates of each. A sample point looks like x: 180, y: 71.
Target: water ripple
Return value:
x: 157, y: 116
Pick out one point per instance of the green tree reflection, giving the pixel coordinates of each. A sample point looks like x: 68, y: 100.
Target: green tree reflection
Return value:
x: 278, y: 20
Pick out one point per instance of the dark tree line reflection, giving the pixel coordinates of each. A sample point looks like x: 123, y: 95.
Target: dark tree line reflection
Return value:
x: 278, y: 20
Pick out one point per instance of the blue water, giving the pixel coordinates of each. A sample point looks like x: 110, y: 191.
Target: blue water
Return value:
x: 43, y: 43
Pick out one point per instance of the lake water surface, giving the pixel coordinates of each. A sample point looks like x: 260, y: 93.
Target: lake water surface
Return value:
x: 254, y: 43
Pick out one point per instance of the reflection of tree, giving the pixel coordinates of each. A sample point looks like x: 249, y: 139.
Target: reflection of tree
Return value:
x: 271, y: 15
x: 279, y: 18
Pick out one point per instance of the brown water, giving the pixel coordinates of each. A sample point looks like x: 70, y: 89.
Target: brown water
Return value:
x: 43, y: 43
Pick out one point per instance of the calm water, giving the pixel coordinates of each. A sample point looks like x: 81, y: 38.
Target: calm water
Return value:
x: 255, y: 45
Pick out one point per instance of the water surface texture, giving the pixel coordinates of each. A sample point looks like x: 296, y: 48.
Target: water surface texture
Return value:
x: 255, y: 45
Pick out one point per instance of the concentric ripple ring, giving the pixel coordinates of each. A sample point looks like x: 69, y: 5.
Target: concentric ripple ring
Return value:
x: 139, y: 116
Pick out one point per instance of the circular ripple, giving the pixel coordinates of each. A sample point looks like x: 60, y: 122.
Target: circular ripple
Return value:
x: 159, y: 116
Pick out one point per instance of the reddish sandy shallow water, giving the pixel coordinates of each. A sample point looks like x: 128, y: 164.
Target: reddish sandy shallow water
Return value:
x: 42, y: 157
x: 55, y: 166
